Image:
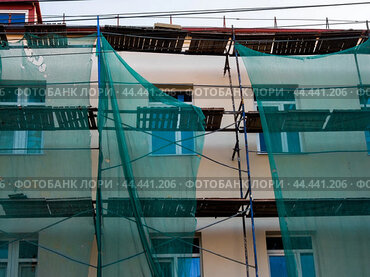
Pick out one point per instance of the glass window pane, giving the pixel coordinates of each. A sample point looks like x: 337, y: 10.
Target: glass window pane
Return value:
x: 2, y: 269
x: 27, y: 270
x: 188, y: 267
x: 275, y: 137
x: 18, y: 18
x: 35, y: 94
x: 278, y: 266
x: 307, y: 265
x: 263, y: 147
x: 274, y: 243
x: 301, y: 242
x: 172, y: 246
x: 367, y: 136
x: 4, y: 18
x: 294, y: 145
x: 188, y: 142
x: 365, y: 101
x: 158, y: 143
x: 196, y: 242
x: 3, y: 249
x: 27, y: 250
x: 34, y: 141
x: 181, y: 98
x: 6, y: 141
x: 9, y: 94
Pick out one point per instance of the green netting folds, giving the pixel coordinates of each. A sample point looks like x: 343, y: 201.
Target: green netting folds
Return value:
x: 150, y: 146
x: 46, y: 211
x: 315, y: 117
x: 142, y: 146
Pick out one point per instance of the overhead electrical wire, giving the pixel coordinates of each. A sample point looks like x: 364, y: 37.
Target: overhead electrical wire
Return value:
x: 178, y: 144
x: 176, y: 238
x: 230, y: 10
x: 88, y: 17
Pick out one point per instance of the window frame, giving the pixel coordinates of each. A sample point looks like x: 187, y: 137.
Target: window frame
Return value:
x: 178, y: 135
x: 20, y: 138
x: 297, y: 254
x: 25, y: 12
x: 284, y: 136
x: 13, y: 262
x: 178, y: 148
x: 173, y: 258
x: 5, y: 261
x: 364, y: 106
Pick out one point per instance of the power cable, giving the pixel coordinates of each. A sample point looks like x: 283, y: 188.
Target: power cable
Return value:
x: 177, y: 141
x: 179, y: 239
x: 178, y: 144
x: 204, y: 11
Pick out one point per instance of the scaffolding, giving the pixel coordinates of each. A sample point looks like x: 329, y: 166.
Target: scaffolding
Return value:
x: 67, y: 118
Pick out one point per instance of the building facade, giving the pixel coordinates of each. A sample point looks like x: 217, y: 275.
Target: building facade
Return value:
x: 193, y: 72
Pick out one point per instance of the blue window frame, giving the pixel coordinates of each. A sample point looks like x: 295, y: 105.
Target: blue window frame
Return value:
x: 161, y: 142
x: 18, y: 18
x: 4, y: 19
x: 281, y: 142
x: 189, y: 267
x: 278, y: 267
x: 164, y: 142
x: 365, y: 105
x: 177, y: 261
x: 12, y: 18
x: 302, y: 251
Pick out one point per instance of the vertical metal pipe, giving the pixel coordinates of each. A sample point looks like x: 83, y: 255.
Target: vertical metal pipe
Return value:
x: 98, y: 191
x: 247, y: 158
x: 237, y: 150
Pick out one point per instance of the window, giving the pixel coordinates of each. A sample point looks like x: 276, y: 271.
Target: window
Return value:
x: 277, y: 97
x: 365, y: 105
x: 175, y: 260
x: 185, y: 146
x: 12, y: 18
x: 281, y: 142
x: 18, y: 258
x: 181, y: 95
x: 21, y: 142
x: 303, y: 254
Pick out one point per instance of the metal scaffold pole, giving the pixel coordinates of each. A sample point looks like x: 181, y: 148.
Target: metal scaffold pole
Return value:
x: 98, y: 220
x: 237, y: 150
x: 249, y: 192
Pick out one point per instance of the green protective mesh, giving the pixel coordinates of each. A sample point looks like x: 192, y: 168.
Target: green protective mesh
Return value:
x: 315, y: 116
x: 46, y: 211
x: 149, y: 151
x: 150, y: 144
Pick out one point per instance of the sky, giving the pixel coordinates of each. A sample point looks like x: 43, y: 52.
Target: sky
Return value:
x: 255, y: 19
